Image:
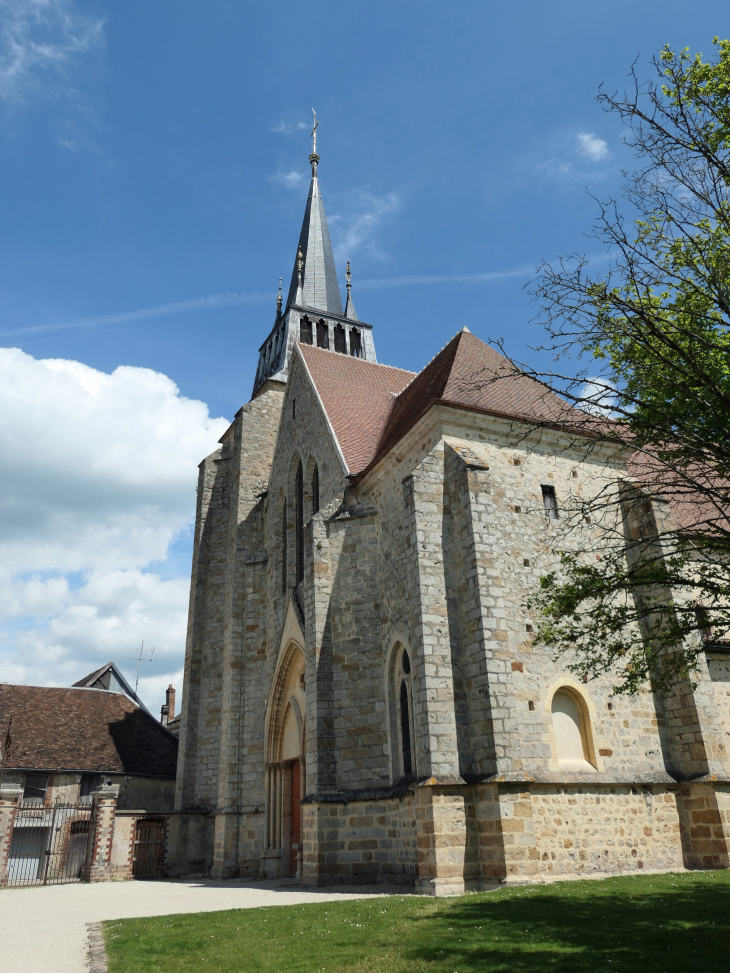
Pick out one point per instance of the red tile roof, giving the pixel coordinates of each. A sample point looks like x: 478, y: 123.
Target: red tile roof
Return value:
x: 369, y: 419
x: 88, y: 730
x: 357, y: 396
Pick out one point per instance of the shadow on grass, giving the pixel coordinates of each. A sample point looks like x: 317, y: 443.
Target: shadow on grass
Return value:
x: 658, y: 927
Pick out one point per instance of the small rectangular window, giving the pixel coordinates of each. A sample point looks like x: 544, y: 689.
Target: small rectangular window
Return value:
x: 35, y: 788
x: 89, y: 783
x: 550, y: 502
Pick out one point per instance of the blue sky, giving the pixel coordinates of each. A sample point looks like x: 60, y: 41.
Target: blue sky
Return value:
x: 154, y: 174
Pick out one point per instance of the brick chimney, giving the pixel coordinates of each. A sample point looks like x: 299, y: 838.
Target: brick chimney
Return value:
x: 167, y: 713
x: 170, y: 700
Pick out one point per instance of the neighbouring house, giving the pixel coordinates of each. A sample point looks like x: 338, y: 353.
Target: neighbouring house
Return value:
x: 87, y: 786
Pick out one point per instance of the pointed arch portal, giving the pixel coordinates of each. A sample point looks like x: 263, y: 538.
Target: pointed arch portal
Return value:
x: 285, y: 734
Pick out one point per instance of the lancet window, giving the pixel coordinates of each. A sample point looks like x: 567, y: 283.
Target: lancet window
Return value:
x: 355, y: 343
x: 299, y: 489
x: 305, y: 331
x: 323, y: 334
x: 340, y: 339
x: 284, y: 528
x: 315, y: 490
x: 401, y: 713
x: 405, y: 712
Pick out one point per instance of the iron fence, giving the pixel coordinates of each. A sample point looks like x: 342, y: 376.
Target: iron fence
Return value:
x: 50, y: 845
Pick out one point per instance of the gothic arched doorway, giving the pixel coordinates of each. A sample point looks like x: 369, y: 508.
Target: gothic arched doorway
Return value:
x: 284, y: 762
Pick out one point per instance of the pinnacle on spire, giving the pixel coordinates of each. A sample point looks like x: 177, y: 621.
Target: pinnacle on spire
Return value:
x: 350, y: 311
x: 300, y: 263
x: 278, y: 301
x: 318, y: 287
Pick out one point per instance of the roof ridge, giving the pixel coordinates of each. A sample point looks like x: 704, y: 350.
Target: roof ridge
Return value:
x: 363, y: 361
x: 432, y: 360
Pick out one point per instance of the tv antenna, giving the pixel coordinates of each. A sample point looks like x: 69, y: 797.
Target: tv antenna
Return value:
x: 139, y: 660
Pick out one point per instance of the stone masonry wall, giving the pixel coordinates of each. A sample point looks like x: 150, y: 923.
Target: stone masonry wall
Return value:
x: 360, y: 842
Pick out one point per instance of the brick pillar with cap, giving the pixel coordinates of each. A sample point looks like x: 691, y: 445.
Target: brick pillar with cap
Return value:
x: 9, y: 803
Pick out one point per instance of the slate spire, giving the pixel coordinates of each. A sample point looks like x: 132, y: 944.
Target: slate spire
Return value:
x: 320, y: 289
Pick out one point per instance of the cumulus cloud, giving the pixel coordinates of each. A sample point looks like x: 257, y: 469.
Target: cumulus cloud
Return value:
x: 591, y: 147
x: 291, y: 179
x: 99, y: 474
x: 40, y: 41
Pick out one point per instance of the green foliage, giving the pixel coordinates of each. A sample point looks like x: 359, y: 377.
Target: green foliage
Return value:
x: 657, y: 328
x: 652, y: 924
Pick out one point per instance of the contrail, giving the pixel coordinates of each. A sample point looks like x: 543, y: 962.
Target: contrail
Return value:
x: 235, y: 300
x: 196, y: 303
x: 369, y: 284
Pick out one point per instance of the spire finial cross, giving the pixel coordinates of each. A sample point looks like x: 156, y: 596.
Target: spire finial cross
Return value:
x: 313, y: 134
x: 348, y: 275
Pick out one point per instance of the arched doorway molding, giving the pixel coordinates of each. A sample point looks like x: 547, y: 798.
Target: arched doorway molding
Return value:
x: 285, y: 729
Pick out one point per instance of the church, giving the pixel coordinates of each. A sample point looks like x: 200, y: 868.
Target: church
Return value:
x: 362, y: 699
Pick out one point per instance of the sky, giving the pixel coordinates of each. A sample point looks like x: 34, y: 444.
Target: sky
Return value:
x: 153, y: 178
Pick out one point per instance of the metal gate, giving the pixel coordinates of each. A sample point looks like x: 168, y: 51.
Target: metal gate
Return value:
x: 50, y: 845
x: 148, y: 848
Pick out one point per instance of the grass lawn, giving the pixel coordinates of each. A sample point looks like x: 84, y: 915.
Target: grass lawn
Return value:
x: 648, y: 923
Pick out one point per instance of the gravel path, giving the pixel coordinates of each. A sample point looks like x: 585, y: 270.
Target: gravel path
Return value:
x: 43, y: 930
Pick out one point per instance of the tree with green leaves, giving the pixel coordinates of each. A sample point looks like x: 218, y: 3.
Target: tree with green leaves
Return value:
x: 643, y: 596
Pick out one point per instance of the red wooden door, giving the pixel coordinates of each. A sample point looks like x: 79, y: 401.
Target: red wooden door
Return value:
x: 296, y: 817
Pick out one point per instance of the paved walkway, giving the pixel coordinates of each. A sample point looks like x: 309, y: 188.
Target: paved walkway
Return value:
x: 43, y: 930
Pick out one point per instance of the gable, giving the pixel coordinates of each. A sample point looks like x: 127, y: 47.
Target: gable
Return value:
x: 357, y: 397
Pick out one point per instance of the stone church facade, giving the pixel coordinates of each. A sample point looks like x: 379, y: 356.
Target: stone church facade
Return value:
x: 362, y: 698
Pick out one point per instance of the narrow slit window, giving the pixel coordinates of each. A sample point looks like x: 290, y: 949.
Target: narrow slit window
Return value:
x: 315, y: 490
x: 550, y: 501
x: 323, y: 334
x: 284, y: 565
x: 405, y: 728
x: 340, y: 339
x: 305, y: 331
x: 300, y: 523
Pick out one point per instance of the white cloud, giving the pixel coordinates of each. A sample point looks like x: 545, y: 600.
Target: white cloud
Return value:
x: 356, y: 229
x: 98, y: 474
x: 40, y: 40
x: 591, y: 147
x: 288, y: 128
x: 597, y: 397
x: 291, y: 179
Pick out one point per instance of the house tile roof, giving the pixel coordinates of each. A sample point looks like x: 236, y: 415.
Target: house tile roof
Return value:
x: 357, y: 396
x: 87, y: 730
x: 371, y: 407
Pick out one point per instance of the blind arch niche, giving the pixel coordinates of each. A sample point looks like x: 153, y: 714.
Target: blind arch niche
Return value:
x: 572, y: 732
